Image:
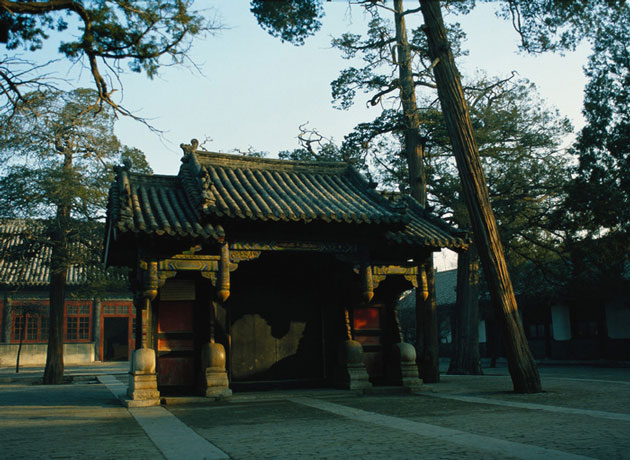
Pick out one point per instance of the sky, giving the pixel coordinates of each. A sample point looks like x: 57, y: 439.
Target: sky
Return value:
x: 253, y: 91
x: 248, y: 90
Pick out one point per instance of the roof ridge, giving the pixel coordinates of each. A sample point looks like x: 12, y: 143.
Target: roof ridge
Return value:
x: 239, y: 161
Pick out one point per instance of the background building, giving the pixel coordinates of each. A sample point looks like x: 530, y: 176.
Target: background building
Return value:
x: 98, y: 326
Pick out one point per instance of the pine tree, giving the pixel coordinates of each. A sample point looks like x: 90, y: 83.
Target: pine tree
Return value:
x: 57, y: 157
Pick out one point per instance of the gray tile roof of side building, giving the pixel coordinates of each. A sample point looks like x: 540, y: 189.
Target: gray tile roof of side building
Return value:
x: 31, y: 268
x: 445, y: 290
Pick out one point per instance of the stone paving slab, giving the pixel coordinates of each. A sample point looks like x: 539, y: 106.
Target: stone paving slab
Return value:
x: 582, y: 413
x: 560, y: 389
x: 570, y: 433
x: 284, y: 430
x: 73, y: 373
x: 74, y: 422
x: 448, y: 436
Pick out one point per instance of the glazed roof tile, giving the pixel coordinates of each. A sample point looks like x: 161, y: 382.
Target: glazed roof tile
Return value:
x: 425, y: 229
x: 249, y: 188
x: 156, y: 205
x: 213, y: 188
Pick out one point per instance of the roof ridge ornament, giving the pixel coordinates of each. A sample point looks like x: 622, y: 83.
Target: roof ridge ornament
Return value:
x: 190, y: 148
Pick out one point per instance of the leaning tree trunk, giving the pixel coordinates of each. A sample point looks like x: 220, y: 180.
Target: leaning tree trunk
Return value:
x: 525, y: 377
x: 465, y: 358
x: 426, y: 314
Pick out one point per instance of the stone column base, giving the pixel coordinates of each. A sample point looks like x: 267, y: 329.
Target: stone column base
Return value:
x: 351, y: 374
x: 216, y: 380
x: 403, y: 369
x: 142, y: 389
x: 217, y: 384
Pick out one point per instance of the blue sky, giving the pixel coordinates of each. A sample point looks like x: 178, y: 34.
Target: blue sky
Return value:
x: 254, y: 91
x: 250, y: 90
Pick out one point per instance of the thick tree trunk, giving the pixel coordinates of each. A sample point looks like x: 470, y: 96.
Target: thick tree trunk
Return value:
x: 53, y: 374
x: 59, y: 263
x: 426, y: 314
x: 465, y: 358
x: 525, y: 377
x: 429, y: 357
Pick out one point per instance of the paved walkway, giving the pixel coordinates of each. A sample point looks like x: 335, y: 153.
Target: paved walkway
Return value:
x: 76, y: 372
x: 584, y: 413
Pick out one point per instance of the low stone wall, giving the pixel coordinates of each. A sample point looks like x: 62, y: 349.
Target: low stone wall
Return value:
x: 34, y: 354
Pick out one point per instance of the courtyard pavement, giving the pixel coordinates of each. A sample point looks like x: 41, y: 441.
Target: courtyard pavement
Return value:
x: 583, y: 413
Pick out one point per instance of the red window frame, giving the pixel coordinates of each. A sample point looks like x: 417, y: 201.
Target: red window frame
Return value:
x: 35, y: 319
x: 77, y: 322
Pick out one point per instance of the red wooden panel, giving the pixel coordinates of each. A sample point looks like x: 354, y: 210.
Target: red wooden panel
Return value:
x: 367, y: 318
x: 175, y: 317
x: 168, y: 344
x: 368, y: 339
x: 175, y: 370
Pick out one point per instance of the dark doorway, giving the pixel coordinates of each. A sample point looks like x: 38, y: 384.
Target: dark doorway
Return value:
x: 116, y: 339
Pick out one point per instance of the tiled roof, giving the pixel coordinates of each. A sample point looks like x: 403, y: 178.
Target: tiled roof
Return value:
x: 240, y: 187
x: 214, y: 189
x: 32, y: 267
x: 425, y: 229
x: 156, y: 205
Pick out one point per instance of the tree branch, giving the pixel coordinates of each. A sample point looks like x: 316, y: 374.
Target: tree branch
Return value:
x: 378, y: 96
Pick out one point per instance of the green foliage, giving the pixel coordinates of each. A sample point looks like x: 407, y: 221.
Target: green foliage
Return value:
x: 50, y: 128
x: 378, y: 53
x: 138, y: 32
x: 290, y: 20
x: 557, y: 25
x: 600, y: 194
x: 519, y: 143
x: 56, y: 169
x: 598, y: 201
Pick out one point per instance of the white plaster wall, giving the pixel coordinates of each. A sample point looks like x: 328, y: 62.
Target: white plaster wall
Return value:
x: 618, y: 319
x: 34, y: 354
x: 561, y: 322
x: 482, y: 331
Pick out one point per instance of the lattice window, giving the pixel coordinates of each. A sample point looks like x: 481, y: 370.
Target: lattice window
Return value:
x: 78, y: 323
x: 36, y: 328
x: 18, y: 328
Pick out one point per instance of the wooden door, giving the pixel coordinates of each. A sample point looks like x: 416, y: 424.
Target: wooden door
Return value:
x: 175, y: 346
x: 281, y: 341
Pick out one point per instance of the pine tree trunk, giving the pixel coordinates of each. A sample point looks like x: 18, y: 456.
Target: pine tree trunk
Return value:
x: 53, y: 374
x: 59, y: 263
x: 426, y: 313
x: 525, y: 377
x: 466, y: 357
x: 429, y: 358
